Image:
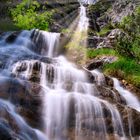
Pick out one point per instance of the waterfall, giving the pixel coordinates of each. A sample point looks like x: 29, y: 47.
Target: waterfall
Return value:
x: 38, y: 79
x: 130, y: 98
x: 25, y: 131
x: 83, y: 22
x: 78, y: 42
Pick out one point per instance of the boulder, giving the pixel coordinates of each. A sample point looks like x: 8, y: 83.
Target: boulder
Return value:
x: 26, y: 96
x: 12, y: 37
x: 94, y: 41
x: 99, y: 62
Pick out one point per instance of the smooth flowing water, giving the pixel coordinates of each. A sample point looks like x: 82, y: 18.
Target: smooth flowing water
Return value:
x: 73, y: 107
x: 78, y: 42
x: 130, y: 98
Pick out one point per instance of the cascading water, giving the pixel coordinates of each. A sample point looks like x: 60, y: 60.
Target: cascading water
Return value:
x: 73, y: 106
x: 83, y: 21
x: 78, y: 42
x: 131, y: 100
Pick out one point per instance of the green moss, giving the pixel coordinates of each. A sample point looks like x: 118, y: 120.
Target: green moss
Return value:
x: 106, y: 29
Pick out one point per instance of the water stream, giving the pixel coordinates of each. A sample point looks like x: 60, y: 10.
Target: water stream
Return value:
x: 130, y: 98
x: 72, y: 106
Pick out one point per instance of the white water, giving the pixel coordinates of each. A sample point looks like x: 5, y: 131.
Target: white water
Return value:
x: 99, y: 77
x: 88, y: 1
x: 84, y: 21
x: 86, y: 107
x: 130, y: 98
x: 52, y: 42
x: 25, y: 131
x: 72, y: 106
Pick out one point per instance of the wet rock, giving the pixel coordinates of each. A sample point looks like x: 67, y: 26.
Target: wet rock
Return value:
x: 5, y: 132
x: 95, y: 64
x: 110, y: 95
x: 109, y: 81
x: 130, y: 117
x: 12, y: 127
x: 108, y: 41
x: 21, y: 68
x: 12, y: 37
x: 46, y: 60
x: 94, y: 41
x: 121, y: 9
x: 26, y: 96
x: 99, y: 62
x: 90, y: 76
x: 105, y: 44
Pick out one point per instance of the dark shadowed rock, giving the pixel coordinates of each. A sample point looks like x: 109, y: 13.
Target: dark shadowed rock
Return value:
x: 99, y: 62
x: 26, y: 96
x: 12, y: 37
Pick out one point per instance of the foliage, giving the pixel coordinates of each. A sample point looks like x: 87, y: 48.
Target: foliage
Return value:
x: 131, y: 23
x: 25, y: 16
x: 124, y: 46
x: 130, y: 46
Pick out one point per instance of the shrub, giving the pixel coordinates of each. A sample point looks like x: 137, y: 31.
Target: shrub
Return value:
x: 25, y: 16
x: 130, y: 46
x: 124, y: 46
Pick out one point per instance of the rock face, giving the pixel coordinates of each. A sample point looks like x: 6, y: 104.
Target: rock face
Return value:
x: 100, y: 62
x: 121, y: 9
x: 107, y: 16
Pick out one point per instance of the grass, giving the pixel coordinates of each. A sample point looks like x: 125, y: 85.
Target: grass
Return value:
x: 124, y: 68
x: 92, y: 53
x: 104, y: 31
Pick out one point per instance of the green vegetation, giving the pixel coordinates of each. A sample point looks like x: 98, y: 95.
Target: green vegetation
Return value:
x: 99, y: 52
x: 100, y: 7
x: 130, y: 45
x: 127, y: 49
x: 124, y: 68
x: 65, y: 31
x: 105, y: 30
x: 26, y: 16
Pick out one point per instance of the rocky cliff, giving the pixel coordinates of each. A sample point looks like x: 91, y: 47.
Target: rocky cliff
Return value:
x: 114, y: 29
